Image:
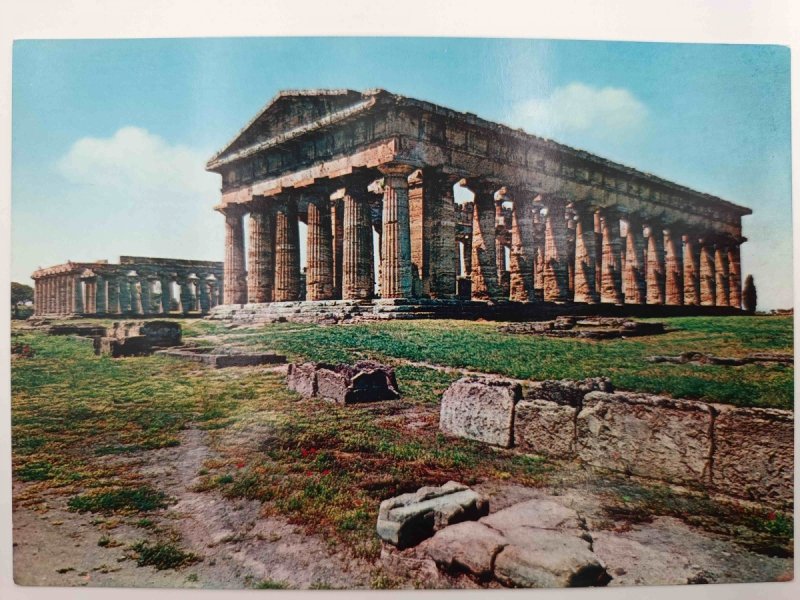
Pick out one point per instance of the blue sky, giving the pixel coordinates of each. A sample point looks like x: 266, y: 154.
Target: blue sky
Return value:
x: 110, y: 137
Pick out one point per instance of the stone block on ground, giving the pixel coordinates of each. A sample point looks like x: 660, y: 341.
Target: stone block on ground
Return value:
x: 135, y: 345
x: 544, y: 427
x: 754, y: 453
x: 539, y: 514
x: 161, y: 333
x: 302, y: 378
x: 480, y: 408
x: 365, y: 381
x: 469, y: 547
x: 408, y: 519
x: 566, y: 391
x: 646, y: 435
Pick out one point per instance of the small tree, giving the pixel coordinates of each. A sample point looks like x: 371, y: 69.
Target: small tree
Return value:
x: 749, y: 295
x: 20, y: 294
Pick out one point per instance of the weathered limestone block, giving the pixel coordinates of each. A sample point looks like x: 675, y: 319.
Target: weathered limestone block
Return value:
x: 134, y: 345
x: 566, y: 391
x: 408, y: 519
x: 365, y: 381
x: 648, y: 436
x: 753, y: 455
x: 549, y: 559
x: 468, y: 546
x: 302, y: 379
x: 161, y: 333
x: 480, y: 408
x: 544, y: 427
x: 539, y: 514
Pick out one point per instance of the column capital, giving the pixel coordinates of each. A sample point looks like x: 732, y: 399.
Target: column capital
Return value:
x: 232, y: 210
x: 395, y: 169
x: 480, y: 185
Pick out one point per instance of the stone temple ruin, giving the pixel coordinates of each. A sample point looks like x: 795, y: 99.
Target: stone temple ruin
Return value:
x: 548, y: 223
x: 136, y: 286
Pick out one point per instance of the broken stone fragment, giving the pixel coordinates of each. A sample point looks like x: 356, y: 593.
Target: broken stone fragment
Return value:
x: 408, y: 519
x: 302, y: 378
x: 365, y: 381
x: 469, y: 546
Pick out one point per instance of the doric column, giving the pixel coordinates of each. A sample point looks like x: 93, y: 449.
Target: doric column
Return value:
x: 673, y: 266
x: 523, y: 249
x: 585, y: 257
x: 147, y: 294
x: 205, y: 303
x: 721, y: 273
x: 691, y: 270
x: 235, y: 275
x: 444, y: 259
x: 655, y: 264
x: 136, y: 295
x: 185, y: 295
x: 60, y: 294
x: 124, y: 294
x: 261, y: 254
x: 113, y: 295
x: 635, y: 283
x: 287, y: 251
x: 708, y: 284
x: 500, y: 238
x: 556, y: 275
x: 611, y: 290
x: 357, y: 252
x: 101, y: 295
x: 484, y: 252
x: 538, y: 243
x: 77, y: 295
x: 396, y: 237
x: 319, y: 273
x: 598, y: 249
x: 734, y: 275
x: 337, y: 231
x: 166, y: 294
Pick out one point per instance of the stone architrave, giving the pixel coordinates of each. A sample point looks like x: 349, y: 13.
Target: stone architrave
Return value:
x: 287, y: 251
x: 261, y: 255
x: 691, y: 270
x: 396, y: 235
x: 585, y: 256
x: 634, y: 280
x: 673, y: 266
x: 319, y: 273
x: 357, y: 249
x: 611, y: 288
x: 655, y: 265
x: 235, y: 285
x: 734, y: 276
x: 523, y: 249
x: 708, y: 284
x: 721, y: 274
x: 556, y: 275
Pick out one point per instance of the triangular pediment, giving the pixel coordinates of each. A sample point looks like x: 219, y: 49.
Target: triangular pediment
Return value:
x: 287, y: 111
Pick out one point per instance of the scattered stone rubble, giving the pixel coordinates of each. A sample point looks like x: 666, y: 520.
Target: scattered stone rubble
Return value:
x: 364, y: 381
x: 537, y: 543
x: 701, y: 358
x: 594, y: 328
x: 408, y: 519
x: 137, y: 338
x: 742, y: 452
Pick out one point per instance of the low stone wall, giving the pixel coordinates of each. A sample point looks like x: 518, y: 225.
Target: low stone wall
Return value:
x: 742, y: 452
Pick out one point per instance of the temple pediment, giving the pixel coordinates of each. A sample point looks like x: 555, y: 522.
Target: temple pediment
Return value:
x: 288, y: 111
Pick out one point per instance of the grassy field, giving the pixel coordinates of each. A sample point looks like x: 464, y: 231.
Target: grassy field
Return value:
x: 323, y: 466
x: 481, y: 347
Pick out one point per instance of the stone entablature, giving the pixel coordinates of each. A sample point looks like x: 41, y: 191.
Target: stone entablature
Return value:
x: 135, y: 286
x: 548, y: 222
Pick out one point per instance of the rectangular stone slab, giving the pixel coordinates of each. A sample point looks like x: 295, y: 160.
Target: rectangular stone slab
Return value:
x: 480, y: 409
x: 544, y: 427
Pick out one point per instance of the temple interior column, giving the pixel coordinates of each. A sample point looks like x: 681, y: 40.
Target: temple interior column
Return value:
x: 396, y: 238
x: 708, y: 289
x: 261, y: 254
x: 204, y: 296
x: 673, y: 266
x: 556, y: 276
x: 287, y: 251
x: 655, y: 265
x: 734, y: 275
x: 721, y: 274
x: 101, y: 295
x: 585, y: 257
x: 611, y: 290
x: 113, y: 295
x: 635, y: 283
x: 319, y: 273
x: 357, y: 253
x: 523, y: 249
x: 484, y: 252
x: 235, y: 287
x: 691, y: 270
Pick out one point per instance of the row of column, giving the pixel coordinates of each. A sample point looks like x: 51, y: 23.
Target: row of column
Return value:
x: 70, y: 293
x: 559, y: 252
x: 575, y: 253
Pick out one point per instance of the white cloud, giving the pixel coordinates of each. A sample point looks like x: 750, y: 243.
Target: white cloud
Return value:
x: 578, y: 108
x: 135, y: 161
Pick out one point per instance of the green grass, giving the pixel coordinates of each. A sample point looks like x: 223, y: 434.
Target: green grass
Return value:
x: 162, y: 555
x: 139, y: 499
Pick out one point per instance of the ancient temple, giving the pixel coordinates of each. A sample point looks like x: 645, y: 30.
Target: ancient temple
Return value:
x: 136, y: 286
x: 548, y: 223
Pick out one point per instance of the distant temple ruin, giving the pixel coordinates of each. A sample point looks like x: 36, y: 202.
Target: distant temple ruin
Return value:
x: 136, y: 286
x: 548, y: 223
